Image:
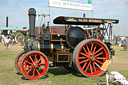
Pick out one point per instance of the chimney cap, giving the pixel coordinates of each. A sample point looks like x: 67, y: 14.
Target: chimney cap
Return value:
x: 32, y: 11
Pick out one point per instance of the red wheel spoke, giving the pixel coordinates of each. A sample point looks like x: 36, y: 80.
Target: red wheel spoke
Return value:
x: 29, y: 70
x: 91, y: 68
x: 98, y: 61
x: 38, y: 72
x: 94, y: 67
x: 42, y: 63
x: 94, y: 49
x: 98, y: 50
x: 92, y: 46
x: 85, y: 50
x: 24, y: 64
x: 27, y: 67
x: 18, y: 60
x: 21, y: 56
x: 87, y: 66
x: 31, y: 58
x: 98, y: 54
x: 41, y: 68
x: 82, y: 57
x: 35, y: 58
x: 39, y: 59
x: 100, y: 58
x: 83, y: 61
x: 84, y: 65
x: 33, y: 72
x: 84, y: 54
x: 97, y: 64
x: 28, y: 62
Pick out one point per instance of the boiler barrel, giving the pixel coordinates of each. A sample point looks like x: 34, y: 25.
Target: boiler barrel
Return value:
x: 47, y: 48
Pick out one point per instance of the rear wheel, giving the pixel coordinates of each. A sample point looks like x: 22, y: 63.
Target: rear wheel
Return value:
x: 17, y: 61
x: 34, y: 65
x: 89, y: 57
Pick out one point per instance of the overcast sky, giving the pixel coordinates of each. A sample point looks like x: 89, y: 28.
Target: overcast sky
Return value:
x: 17, y: 11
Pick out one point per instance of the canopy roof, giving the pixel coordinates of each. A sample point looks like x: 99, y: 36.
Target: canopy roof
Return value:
x: 83, y: 21
x: 95, y: 28
x: 14, y: 28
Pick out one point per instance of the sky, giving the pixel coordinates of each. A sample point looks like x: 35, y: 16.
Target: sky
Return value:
x: 17, y: 11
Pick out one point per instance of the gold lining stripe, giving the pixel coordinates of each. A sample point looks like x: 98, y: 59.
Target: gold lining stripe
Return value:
x: 38, y: 45
x: 52, y: 47
x: 57, y: 40
x: 62, y: 61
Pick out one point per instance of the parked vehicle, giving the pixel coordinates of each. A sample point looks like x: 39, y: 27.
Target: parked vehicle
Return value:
x: 89, y: 56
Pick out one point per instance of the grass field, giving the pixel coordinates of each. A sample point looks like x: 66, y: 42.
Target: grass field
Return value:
x: 55, y: 76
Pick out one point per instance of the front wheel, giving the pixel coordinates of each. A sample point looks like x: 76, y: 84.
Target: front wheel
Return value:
x: 90, y: 56
x: 34, y: 65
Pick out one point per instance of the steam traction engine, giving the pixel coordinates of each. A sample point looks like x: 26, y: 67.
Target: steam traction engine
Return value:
x: 75, y: 49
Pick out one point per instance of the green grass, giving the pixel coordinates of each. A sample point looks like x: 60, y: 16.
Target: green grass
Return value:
x: 55, y: 76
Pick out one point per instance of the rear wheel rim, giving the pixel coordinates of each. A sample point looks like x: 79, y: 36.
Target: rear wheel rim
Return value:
x: 34, y: 65
x: 90, y: 58
x: 18, y: 60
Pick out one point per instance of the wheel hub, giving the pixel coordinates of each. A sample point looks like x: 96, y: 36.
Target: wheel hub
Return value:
x: 92, y: 58
x: 35, y: 65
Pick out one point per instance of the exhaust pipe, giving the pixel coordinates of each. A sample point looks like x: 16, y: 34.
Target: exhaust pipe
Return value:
x: 32, y: 15
x: 6, y: 21
x: 32, y: 44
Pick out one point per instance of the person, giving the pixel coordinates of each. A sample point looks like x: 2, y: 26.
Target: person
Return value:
x: 6, y: 42
x: 11, y: 40
x: 3, y: 38
x: 99, y: 35
x: 124, y: 44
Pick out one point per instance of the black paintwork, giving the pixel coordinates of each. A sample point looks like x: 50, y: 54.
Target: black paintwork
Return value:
x: 83, y: 21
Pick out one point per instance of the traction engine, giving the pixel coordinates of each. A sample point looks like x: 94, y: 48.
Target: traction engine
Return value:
x: 88, y: 56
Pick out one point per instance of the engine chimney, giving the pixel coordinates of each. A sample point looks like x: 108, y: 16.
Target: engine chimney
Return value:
x: 32, y: 15
x: 6, y: 21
